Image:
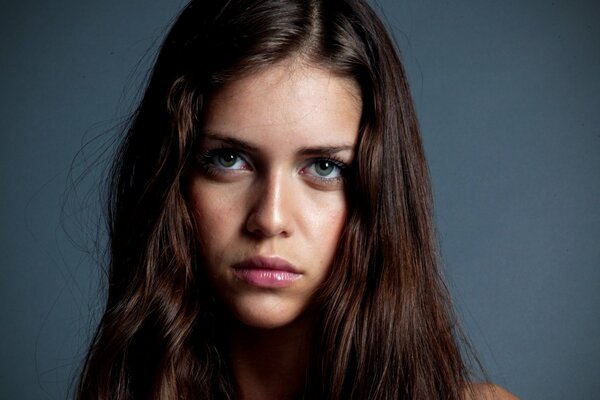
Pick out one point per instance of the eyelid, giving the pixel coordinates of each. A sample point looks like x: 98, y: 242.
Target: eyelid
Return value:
x: 342, y: 165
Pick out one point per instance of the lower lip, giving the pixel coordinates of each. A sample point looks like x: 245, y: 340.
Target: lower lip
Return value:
x: 267, y: 278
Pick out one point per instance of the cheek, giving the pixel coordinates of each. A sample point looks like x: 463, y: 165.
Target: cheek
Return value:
x: 214, y: 215
x: 325, y: 224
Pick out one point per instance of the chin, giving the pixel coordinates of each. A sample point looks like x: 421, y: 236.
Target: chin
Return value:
x: 266, y: 313
x: 257, y: 322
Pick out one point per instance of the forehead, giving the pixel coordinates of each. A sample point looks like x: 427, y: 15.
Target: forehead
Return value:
x: 287, y: 103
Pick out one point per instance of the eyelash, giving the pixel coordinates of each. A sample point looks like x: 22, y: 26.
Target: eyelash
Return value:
x: 207, y: 164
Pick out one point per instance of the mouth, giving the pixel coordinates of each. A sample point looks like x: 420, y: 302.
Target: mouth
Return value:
x: 266, y: 272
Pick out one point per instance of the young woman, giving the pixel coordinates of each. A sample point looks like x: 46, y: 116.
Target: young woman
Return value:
x: 271, y: 222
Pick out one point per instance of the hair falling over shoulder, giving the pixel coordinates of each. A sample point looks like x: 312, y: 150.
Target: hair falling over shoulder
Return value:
x: 386, y: 329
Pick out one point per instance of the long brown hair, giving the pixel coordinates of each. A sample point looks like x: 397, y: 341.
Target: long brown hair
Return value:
x: 385, y: 327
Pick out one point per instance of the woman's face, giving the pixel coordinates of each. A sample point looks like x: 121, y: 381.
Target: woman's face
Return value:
x: 267, y: 188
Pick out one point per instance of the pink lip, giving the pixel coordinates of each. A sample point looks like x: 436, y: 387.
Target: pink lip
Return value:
x: 266, y: 272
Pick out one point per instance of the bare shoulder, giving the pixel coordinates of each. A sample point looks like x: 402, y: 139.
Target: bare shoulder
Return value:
x: 487, y: 391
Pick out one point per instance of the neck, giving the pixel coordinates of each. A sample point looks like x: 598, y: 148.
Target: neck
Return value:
x: 269, y: 363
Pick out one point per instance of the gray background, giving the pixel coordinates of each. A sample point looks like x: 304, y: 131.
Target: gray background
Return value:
x: 508, y: 95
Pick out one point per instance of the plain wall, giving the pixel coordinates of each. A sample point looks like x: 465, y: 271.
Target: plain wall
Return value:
x: 508, y: 95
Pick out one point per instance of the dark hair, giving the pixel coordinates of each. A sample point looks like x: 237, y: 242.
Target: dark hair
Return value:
x: 385, y: 328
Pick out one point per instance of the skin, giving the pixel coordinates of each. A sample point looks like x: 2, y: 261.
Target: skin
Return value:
x: 265, y: 185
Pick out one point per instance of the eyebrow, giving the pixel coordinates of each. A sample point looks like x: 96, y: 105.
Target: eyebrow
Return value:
x: 243, y: 145
x: 240, y: 144
x: 325, y: 149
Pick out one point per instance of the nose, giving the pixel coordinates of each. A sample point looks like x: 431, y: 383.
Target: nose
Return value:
x: 270, y: 214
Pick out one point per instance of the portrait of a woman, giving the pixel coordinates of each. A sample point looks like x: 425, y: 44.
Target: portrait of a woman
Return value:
x: 299, y: 199
x: 270, y: 220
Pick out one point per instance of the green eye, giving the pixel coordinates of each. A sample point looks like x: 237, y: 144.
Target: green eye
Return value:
x: 324, y: 167
x: 227, y: 159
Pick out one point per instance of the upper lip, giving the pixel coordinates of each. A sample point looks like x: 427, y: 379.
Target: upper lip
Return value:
x: 260, y: 262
